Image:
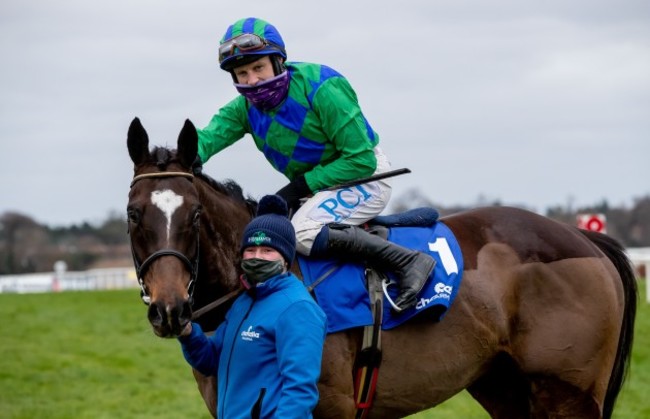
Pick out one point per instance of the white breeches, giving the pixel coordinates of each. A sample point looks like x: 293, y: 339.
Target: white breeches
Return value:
x: 354, y: 206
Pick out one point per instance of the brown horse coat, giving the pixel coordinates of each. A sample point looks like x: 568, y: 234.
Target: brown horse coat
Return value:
x: 541, y: 327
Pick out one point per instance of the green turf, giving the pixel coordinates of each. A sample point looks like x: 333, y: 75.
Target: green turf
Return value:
x: 89, y: 355
x: 93, y: 355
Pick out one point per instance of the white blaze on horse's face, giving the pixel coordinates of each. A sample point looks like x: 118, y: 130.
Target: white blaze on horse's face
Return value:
x: 168, y: 201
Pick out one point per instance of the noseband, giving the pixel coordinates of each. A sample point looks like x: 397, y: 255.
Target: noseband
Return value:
x: 191, y: 265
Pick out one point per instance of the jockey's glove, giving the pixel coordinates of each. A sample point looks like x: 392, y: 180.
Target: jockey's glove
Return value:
x: 293, y: 191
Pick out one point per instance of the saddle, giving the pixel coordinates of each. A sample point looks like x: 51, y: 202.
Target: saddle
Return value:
x: 341, y: 289
x: 417, y: 217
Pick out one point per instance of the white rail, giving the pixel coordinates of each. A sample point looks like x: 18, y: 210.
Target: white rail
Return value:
x: 114, y: 278
x: 640, y: 256
x: 94, y: 279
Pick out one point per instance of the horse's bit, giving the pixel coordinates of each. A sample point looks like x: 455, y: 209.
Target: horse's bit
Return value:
x: 141, y: 268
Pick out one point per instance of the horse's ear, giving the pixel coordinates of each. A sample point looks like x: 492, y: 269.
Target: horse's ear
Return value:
x: 188, y: 144
x: 137, y: 141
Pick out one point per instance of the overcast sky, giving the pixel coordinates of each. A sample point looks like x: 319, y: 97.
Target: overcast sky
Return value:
x: 533, y: 103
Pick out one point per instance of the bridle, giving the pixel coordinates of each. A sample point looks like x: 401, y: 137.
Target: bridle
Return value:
x: 161, y: 174
x: 141, y: 267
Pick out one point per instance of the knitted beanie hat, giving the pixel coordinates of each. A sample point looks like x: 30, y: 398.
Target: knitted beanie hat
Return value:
x: 271, y: 228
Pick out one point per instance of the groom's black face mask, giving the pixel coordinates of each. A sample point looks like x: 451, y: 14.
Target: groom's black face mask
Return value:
x: 259, y: 270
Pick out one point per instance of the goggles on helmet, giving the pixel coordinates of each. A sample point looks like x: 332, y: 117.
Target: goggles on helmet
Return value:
x: 244, y: 43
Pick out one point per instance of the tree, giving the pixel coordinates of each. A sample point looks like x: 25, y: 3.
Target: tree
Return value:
x: 21, y: 241
x: 113, y: 230
x: 27, y: 246
x: 638, y: 225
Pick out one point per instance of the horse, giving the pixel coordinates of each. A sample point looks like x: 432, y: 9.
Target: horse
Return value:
x: 542, y: 325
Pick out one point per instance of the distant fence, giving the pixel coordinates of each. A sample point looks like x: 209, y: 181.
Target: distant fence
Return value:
x: 115, y: 278
x: 640, y: 257
x: 94, y: 279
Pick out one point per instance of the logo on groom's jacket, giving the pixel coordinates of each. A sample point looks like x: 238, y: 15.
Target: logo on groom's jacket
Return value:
x: 249, y: 334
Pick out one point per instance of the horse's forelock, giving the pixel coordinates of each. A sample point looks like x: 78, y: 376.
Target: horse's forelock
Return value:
x: 162, y: 157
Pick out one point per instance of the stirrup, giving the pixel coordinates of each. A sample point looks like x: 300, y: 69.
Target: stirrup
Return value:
x: 385, y: 283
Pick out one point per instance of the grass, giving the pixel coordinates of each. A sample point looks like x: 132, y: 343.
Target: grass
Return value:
x: 89, y: 355
x: 93, y: 355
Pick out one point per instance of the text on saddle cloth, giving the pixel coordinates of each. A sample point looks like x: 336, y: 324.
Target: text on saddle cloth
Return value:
x: 343, y: 295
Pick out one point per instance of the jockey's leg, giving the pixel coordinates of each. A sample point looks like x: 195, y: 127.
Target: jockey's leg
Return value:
x: 349, y: 242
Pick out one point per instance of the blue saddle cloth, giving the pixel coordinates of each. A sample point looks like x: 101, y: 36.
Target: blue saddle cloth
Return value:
x: 343, y: 295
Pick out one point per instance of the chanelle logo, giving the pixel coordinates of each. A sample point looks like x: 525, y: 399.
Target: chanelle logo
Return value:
x: 259, y: 238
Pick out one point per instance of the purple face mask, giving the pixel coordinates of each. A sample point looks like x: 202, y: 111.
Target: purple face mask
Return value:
x: 267, y: 94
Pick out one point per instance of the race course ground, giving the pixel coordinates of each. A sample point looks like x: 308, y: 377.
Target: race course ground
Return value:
x: 93, y: 355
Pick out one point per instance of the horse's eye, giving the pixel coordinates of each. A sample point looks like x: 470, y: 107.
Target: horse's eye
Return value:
x: 133, y: 215
x: 197, y: 216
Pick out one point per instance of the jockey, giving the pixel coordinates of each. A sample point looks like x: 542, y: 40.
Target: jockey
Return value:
x: 306, y: 120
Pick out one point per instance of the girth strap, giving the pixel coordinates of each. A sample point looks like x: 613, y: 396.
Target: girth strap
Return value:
x: 366, y: 368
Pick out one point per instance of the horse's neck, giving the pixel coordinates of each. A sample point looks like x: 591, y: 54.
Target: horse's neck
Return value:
x: 222, y: 223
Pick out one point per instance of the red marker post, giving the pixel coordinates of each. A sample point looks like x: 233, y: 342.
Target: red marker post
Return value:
x: 592, y: 222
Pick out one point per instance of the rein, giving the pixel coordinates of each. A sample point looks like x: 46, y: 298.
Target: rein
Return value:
x: 141, y: 268
x: 216, y: 303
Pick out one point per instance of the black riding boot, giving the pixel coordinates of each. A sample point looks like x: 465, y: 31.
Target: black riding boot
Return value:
x: 349, y: 242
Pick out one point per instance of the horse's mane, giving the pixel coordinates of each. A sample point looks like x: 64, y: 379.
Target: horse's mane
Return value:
x: 163, y: 157
x: 232, y: 189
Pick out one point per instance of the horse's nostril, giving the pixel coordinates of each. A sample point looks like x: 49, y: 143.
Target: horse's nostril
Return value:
x: 186, y: 311
x: 179, y: 314
x: 155, y: 315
